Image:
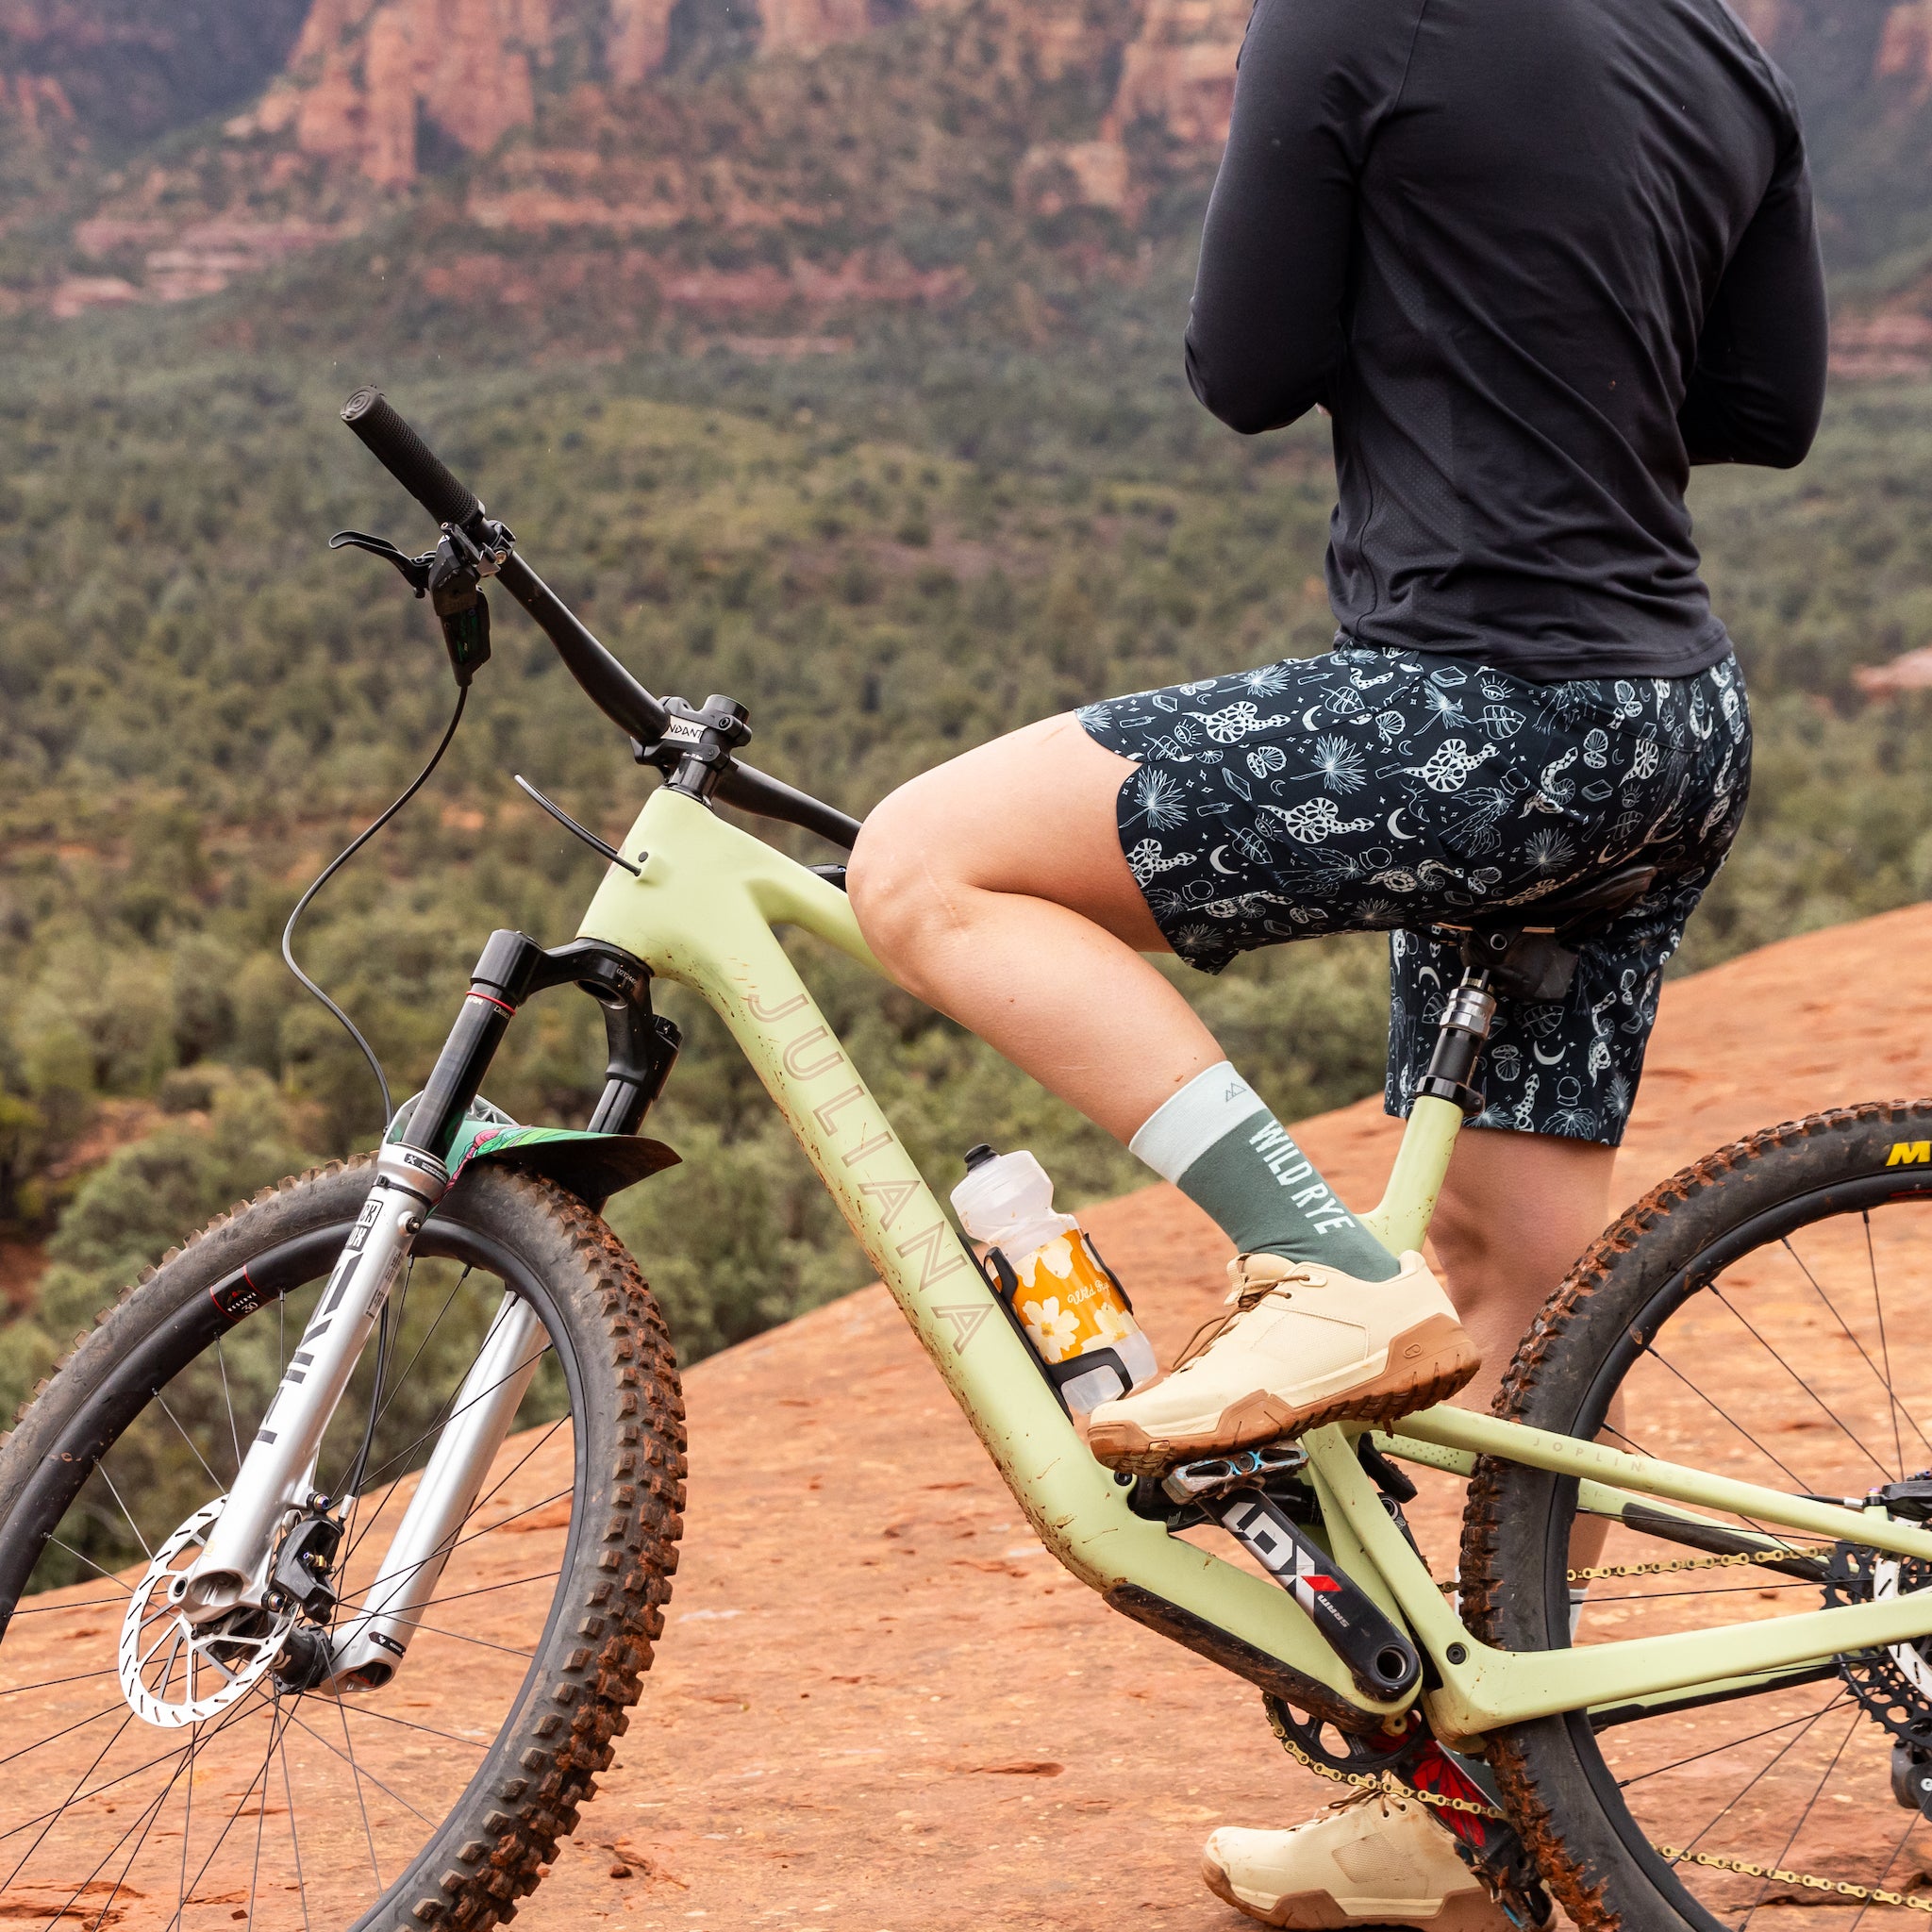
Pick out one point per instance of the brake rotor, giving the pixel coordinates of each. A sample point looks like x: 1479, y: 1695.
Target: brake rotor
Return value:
x: 174, y: 1673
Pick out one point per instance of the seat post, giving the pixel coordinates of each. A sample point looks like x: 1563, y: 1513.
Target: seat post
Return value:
x: 1460, y: 1040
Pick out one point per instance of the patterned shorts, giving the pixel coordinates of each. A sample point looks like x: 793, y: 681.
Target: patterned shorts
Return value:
x: 1383, y: 791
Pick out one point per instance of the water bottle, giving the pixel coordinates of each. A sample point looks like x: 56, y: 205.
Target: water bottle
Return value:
x: 1069, y: 1302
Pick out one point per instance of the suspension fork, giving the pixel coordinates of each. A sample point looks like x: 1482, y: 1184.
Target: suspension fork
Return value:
x: 369, y: 1647
x: 275, y: 1481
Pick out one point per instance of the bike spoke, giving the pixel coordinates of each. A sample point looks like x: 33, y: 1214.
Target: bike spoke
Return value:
x: 310, y: 1731
x: 144, y: 1820
x: 356, y: 1773
x: 274, y: 1738
x: 1885, y: 1350
x: 1897, y: 1852
x: 436, y: 1630
x: 1884, y: 1374
x: 457, y: 1595
x: 355, y: 1708
x: 52, y: 1683
x: 1810, y: 1805
x: 228, y: 1401
x: 187, y: 1822
x: 1758, y: 1777
x: 127, y: 1588
x: 488, y: 1529
x: 443, y: 1421
x: 190, y: 1441
x: 67, y: 1731
x: 1824, y: 1408
x: 70, y: 1799
x: 1836, y: 1701
x: 294, y: 1835
x: 1656, y: 1356
x: 428, y: 1335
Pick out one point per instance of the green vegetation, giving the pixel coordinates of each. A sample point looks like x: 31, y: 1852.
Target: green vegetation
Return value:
x: 888, y: 557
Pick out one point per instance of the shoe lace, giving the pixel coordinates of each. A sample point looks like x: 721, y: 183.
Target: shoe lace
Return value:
x: 1215, y: 1326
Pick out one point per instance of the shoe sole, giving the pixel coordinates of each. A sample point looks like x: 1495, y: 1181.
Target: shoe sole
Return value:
x: 1322, y: 1911
x: 1422, y: 1365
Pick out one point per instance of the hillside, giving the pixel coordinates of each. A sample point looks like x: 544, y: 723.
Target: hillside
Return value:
x: 619, y: 167
x: 195, y: 716
x: 584, y: 172
x: 878, y: 1704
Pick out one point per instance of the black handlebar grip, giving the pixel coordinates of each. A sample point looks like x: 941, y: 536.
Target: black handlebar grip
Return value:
x: 409, y: 458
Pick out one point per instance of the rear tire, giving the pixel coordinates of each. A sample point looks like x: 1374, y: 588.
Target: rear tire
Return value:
x: 1711, y: 1250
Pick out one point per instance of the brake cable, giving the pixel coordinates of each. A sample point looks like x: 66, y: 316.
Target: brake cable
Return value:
x: 334, y: 866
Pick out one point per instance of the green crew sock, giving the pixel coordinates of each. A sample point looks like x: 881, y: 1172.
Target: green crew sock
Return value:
x: 1218, y: 1143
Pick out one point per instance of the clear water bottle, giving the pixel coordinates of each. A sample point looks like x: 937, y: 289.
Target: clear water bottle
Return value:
x: 1070, y: 1304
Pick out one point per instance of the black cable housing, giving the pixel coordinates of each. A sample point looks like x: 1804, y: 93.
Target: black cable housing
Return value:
x: 334, y: 866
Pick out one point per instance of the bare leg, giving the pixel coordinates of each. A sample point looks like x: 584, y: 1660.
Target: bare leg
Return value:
x: 994, y: 888
x: 1516, y: 1212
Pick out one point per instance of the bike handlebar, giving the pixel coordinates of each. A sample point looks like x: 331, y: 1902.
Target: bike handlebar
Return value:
x: 410, y: 460
x: 604, y: 681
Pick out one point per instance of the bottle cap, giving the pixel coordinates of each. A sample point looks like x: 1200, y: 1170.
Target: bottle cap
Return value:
x: 979, y: 1156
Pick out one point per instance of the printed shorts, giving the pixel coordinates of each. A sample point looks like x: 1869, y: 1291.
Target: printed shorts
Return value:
x: 1387, y: 790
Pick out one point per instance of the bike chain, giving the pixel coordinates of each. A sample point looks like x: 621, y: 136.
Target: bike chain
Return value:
x: 1872, y: 1894
x: 1390, y: 1786
x: 1383, y: 1781
x: 1605, y: 1571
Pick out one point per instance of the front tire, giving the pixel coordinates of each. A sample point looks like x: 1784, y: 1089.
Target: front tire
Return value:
x: 96, y: 1466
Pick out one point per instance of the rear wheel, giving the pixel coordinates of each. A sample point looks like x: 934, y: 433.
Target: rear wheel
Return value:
x: 206, y: 1779
x: 1767, y: 1315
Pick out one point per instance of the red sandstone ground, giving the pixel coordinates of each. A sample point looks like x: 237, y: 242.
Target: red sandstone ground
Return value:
x: 879, y: 1707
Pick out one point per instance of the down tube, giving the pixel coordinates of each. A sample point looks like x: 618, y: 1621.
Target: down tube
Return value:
x: 716, y: 942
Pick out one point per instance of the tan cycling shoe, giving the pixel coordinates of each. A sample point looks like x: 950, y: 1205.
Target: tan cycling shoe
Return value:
x: 1305, y: 1345
x: 1381, y: 1863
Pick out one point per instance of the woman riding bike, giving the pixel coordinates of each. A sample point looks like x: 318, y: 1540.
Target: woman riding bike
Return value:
x: 1532, y: 286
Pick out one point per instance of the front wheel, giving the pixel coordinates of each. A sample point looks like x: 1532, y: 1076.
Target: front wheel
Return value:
x: 208, y: 1777
x: 1766, y: 1315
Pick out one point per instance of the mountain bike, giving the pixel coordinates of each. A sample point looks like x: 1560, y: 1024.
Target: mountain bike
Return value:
x: 332, y: 1557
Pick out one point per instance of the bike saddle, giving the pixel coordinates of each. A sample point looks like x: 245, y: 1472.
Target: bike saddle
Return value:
x: 1529, y: 951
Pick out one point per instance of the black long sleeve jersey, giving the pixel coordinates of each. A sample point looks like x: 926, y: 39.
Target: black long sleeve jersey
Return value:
x: 1537, y: 257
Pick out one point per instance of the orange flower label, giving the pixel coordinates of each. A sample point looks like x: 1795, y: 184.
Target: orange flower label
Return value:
x: 1069, y: 1302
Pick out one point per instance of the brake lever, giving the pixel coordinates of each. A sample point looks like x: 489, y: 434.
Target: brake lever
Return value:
x: 448, y: 577
x: 415, y: 569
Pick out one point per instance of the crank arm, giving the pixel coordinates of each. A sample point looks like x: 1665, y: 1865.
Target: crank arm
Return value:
x: 1382, y: 1660
x: 371, y: 1645
x: 275, y: 1473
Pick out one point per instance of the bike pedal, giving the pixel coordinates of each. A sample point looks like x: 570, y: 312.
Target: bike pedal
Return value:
x: 1210, y: 1477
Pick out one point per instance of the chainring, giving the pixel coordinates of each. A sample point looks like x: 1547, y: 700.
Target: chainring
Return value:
x: 1377, y: 1750
x: 1893, y: 1686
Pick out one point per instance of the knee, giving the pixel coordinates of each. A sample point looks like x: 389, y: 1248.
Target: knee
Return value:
x: 900, y: 875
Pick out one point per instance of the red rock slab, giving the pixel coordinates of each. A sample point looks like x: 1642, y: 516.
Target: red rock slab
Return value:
x: 878, y: 1706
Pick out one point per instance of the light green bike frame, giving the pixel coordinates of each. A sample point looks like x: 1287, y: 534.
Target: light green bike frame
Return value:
x: 700, y: 911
